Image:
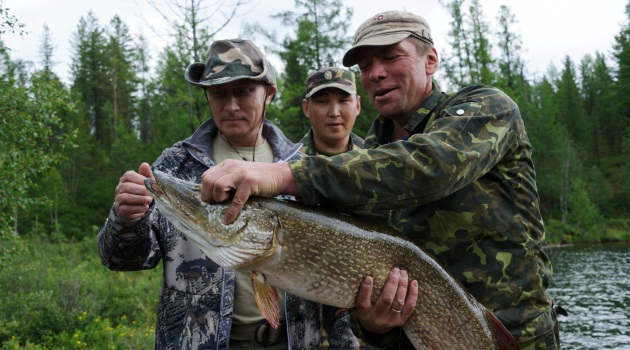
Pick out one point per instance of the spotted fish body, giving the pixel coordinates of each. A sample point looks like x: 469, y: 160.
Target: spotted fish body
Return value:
x: 324, y: 256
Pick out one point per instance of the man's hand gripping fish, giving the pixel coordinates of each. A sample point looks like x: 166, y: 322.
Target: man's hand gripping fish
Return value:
x: 324, y: 256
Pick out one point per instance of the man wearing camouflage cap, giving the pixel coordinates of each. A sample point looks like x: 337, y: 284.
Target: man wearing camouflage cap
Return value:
x: 453, y: 168
x: 331, y: 105
x: 203, y: 306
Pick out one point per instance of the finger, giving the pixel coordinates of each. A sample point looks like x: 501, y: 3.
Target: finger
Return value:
x: 411, y: 300
x: 388, y: 294
x: 363, y: 301
x: 401, y: 292
x: 240, y: 198
x: 209, y: 183
x: 131, y: 212
x: 132, y: 188
x: 145, y: 170
x: 129, y: 198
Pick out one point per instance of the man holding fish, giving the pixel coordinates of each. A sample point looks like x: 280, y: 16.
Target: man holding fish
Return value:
x: 204, y: 306
x: 454, y: 169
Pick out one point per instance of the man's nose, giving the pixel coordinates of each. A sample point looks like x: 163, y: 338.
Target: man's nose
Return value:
x: 376, y: 71
x: 231, y: 103
x: 334, y: 110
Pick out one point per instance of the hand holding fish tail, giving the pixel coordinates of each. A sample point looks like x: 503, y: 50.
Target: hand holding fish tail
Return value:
x: 395, y: 304
x: 132, y: 198
x: 240, y: 180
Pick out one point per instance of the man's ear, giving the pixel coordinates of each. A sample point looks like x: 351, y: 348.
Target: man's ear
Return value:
x: 305, y: 108
x: 271, y: 91
x: 432, y: 61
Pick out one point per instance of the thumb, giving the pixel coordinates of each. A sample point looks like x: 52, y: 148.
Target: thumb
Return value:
x: 145, y: 170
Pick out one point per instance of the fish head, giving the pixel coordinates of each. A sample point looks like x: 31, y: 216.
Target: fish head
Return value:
x: 251, y: 238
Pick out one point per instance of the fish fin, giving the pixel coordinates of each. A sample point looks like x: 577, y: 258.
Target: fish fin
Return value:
x: 266, y: 298
x: 340, y: 311
x: 505, y: 340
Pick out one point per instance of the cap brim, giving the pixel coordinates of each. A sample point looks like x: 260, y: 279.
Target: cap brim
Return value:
x: 194, y: 72
x: 350, y: 59
x: 344, y: 88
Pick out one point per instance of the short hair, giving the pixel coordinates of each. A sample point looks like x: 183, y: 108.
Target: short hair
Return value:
x: 422, y: 47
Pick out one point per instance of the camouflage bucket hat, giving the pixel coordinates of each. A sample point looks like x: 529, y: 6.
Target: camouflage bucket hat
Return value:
x: 387, y: 28
x: 331, y: 77
x: 228, y: 61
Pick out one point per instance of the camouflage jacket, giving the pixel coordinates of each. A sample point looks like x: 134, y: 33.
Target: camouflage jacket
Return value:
x: 463, y: 187
x: 308, y: 148
x: 196, y: 301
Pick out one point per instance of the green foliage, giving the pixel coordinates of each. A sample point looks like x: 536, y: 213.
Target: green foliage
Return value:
x: 583, y: 214
x: 63, y: 153
x: 8, y: 22
x: 66, y: 299
x: 469, y: 59
x: 320, y: 28
x: 32, y: 137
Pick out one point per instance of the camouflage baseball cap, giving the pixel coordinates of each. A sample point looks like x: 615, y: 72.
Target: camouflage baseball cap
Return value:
x: 387, y: 28
x: 228, y: 61
x: 331, y: 77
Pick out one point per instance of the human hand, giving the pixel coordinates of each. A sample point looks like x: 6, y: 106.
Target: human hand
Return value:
x: 392, y: 308
x: 245, y: 179
x: 132, y: 197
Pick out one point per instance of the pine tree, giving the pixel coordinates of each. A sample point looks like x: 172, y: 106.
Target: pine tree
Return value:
x: 320, y: 38
x: 89, y: 74
x: 620, y: 120
x: 470, y: 60
x: 47, y: 49
x: 571, y: 111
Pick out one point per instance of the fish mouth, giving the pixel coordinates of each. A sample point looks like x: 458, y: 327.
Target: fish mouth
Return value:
x: 153, y: 187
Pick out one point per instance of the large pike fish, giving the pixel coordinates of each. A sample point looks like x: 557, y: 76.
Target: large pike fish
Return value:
x: 324, y: 256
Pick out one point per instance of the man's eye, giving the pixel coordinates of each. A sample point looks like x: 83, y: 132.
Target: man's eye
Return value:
x: 244, y: 92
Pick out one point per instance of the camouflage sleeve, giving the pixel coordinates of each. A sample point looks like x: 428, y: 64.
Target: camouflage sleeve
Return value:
x: 460, y: 144
x: 128, y: 246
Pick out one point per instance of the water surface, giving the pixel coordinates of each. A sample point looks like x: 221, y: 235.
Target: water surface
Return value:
x: 593, y: 283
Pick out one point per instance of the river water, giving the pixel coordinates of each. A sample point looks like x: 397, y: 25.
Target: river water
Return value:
x: 593, y: 283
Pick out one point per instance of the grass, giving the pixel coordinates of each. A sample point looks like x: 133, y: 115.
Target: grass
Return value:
x: 59, y: 295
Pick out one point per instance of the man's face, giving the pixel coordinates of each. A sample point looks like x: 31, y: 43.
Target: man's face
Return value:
x: 397, y: 78
x: 237, y: 109
x: 332, y: 113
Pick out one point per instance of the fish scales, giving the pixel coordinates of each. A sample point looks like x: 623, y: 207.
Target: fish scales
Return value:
x: 324, y: 256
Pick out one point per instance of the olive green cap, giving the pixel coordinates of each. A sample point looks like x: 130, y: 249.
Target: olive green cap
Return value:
x: 331, y: 77
x: 228, y: 61
x: 387, y: 28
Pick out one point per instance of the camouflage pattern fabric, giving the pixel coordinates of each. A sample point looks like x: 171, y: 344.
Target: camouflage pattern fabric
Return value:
x: 308, y: 144
x: 331, y: 77
x: 230, y: 60
x: 196, y: 302
x: 463, y: 188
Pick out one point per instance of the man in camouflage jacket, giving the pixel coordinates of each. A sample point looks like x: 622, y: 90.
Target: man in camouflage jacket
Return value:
x: 197, y: 299
x: 331, y: 105
x: 455, y: 172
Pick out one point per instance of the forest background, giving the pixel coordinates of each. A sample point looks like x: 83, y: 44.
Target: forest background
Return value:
x: 65, y: 145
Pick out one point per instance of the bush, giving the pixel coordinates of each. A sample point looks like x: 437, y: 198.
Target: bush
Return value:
x: 58, y: 295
